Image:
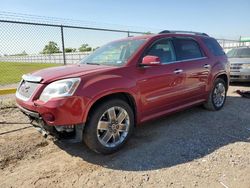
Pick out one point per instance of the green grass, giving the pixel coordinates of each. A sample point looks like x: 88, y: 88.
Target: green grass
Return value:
x: 11, y: 72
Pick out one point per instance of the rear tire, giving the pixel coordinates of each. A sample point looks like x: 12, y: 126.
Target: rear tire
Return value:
x: 217, y: 96
x: 109, y: 126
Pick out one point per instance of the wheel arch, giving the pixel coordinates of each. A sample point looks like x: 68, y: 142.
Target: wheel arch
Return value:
x: 224, y: 77
x: 125, y: 96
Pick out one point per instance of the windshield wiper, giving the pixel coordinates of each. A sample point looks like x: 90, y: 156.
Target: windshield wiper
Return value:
x: 92, y: 63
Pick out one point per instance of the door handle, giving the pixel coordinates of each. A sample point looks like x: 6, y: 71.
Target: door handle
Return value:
x: 178, y: 71
x: 206, y: 66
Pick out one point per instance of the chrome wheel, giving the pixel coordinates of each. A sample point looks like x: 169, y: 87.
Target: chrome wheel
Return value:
x: 113, y: 127
x: 219, y: 95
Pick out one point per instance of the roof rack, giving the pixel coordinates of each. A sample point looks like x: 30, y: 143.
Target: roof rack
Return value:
x: 188, y: 32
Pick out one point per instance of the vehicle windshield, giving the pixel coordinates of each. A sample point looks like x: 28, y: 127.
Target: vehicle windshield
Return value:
x: 239, y: 53
x: 114, y: 53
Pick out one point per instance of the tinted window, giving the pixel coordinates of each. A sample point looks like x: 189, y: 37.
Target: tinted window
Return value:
x: 164, y: 50
x: 213, y: 46
x: 239, y: 53
x: 187, y: 49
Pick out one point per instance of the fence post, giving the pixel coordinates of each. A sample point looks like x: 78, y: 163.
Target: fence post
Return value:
x: 63, y: 50
x: 223, y: 43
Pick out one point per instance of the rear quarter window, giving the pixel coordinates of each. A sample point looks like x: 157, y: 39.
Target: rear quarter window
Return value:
x: 213, y: 46
x: 187, y: 49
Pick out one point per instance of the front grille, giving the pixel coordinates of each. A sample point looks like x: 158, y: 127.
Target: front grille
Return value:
x: 234, y: 76
x: 26, y: 89
x: 235, y: 67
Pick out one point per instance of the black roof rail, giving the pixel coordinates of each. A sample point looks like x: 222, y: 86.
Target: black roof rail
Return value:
x: 164, y: 31
x: 188, y: 32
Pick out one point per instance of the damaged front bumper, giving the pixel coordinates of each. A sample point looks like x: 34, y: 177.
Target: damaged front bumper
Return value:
x: 41, y: 126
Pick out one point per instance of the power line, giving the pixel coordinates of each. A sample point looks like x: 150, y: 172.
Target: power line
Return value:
x: 66, y: 21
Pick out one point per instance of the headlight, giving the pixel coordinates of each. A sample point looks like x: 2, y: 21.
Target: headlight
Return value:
x: 60, y: 88
x: 246, y: 66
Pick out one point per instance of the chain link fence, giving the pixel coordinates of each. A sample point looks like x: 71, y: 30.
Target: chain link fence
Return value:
x: 29, y: 46
x: 227, y: 44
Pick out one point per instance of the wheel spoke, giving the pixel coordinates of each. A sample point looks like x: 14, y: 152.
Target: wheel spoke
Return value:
x: 216, y: 101
x: 121, y: 116
x: 103, y: 125
x: 221, y: 89
x: 107, y: 136
x: 111, y: 113
x: 221, y: 98
x: 116, y: 136
x: 216, y: 90
x: 122, y: 128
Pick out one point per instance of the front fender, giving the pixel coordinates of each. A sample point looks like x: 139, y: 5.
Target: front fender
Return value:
x: 104, y: 85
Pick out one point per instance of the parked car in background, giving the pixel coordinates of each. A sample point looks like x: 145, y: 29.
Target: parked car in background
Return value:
x: 239, y: 59
x: 126, y: 83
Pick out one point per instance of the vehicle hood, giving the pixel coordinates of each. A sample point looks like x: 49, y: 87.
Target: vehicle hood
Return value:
x: 239, y: 60
x: 68, y: 71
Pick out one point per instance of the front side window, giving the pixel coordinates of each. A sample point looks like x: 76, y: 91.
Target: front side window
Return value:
x: 187, y: 49
x: 114, y: 54
x: 164, y: 50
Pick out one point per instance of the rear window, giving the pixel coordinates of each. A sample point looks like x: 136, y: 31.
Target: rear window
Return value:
x: 187, y: 49
x: 213, y: 46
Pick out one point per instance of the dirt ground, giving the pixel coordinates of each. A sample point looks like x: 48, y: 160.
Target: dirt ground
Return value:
x: 193, y: 148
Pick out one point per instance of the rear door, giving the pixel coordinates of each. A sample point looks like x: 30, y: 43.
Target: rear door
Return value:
x: 195, y: 65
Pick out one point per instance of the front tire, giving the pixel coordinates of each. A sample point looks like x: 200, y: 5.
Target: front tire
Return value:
x: 217, y: 96
x: 109, y: 126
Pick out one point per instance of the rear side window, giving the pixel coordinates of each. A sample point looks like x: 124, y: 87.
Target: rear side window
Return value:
x: 187, y: 49
x: 213, y: 46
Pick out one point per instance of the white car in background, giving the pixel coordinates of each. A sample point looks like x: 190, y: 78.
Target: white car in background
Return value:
x: 239, y: 59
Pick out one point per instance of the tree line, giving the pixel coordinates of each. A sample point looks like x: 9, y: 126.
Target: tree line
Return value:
x: 52, y: 47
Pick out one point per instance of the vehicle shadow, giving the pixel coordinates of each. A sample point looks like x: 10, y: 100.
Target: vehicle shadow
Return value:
x: 176, y: 139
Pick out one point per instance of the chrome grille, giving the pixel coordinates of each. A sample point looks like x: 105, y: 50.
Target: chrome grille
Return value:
x: 235, y: 67
x: 26, y: 89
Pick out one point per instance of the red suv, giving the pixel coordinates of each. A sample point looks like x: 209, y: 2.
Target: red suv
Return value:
x: 124, y: 83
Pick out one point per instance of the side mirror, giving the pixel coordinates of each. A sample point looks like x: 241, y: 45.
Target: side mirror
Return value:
x: 150, y: 60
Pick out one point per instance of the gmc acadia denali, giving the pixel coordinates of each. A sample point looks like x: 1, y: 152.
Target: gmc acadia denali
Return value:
x: 124, y: 83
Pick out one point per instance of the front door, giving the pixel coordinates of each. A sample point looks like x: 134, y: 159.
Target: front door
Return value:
x: 161, y: 87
